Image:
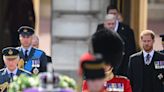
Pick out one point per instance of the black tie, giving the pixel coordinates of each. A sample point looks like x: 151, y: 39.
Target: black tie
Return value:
x: 26, y: 56
x: 11, y: 77
x: 148, y: 58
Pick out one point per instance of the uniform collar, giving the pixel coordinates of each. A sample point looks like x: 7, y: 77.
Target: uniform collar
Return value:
x: 29, y: 49
x: 14, y: 72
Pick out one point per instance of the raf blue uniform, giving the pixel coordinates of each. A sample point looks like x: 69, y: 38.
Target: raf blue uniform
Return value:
x: 34, y: 54
x: 35, y: 61
x: 6, y: 75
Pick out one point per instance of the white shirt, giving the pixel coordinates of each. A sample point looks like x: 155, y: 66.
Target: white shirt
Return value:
x: 116, y: 27
x: 14, y: 72
x: 151, y: 56
x: 23, y: 49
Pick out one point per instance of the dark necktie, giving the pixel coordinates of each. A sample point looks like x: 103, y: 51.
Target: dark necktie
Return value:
x: 26, y: 55
x: 11, y: 77
x: 148, y: 59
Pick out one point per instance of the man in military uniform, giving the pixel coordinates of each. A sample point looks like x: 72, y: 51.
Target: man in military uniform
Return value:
x: 111, y: 56
x: 11, y: 59
x: 162, y: 36
x: 93, y: 73
x: 33, y: 59
x: 110, y: 45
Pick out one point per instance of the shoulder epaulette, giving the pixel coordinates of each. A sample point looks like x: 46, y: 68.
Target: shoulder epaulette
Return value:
x: 2, y: 69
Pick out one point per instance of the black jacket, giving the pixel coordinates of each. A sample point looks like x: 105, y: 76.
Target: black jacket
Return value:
x: 135, y: 72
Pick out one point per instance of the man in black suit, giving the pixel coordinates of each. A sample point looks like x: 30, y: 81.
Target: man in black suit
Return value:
x: 146, y: 68
x: 126, y: 33
x: 11, y: 59
x: 33, y: 59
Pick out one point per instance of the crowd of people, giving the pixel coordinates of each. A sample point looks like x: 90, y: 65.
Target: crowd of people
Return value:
x: 112, y: 65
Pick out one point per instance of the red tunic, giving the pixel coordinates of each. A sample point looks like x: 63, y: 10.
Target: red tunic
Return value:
x: 118, y: 83
x: 85, y: 87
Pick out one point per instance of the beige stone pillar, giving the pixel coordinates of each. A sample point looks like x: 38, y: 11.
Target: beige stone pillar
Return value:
x: 138, y: 17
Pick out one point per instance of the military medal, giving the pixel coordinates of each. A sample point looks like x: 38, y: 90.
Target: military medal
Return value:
x: 160, y: 76
x: 36, y: 64
x: 159, y: 64
x: 35, y: 70
x: 119, y: 87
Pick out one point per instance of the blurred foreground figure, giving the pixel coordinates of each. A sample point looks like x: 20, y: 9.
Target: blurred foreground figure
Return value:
x: 49, y: 81
x: 110, y: 46
x: 93, y: 73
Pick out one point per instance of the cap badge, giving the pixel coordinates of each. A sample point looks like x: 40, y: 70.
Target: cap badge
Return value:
x: 10, y: 52
x: 25, y: 30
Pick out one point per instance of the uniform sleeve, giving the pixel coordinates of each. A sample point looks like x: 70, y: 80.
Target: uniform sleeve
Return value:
x: 130, y: 68
x: 128, y: 86
x: 84, y: 86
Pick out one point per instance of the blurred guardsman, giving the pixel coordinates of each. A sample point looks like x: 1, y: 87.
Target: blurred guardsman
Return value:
x: 162, y: 36
x: 111, y: 46
x: 11, y: 59
x: 33, y: 59
x: 111, y: 56
x: 93, y: 73
x: 146, y: 68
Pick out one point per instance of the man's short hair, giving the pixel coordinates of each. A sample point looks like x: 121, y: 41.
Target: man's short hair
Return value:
x: 110, y: 17
x: 147, y: 32
x: 110, y: 7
